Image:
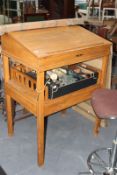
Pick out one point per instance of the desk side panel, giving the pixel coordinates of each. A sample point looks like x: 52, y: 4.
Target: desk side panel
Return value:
x: 22, y: 95
x: 66, y: 101
x: 18, y: 52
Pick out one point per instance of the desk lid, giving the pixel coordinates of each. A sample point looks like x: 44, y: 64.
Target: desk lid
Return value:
x: 50, y: 41
x: 43, y: 49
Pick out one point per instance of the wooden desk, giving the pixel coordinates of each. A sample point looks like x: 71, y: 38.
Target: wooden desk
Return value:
x: 42, y: 50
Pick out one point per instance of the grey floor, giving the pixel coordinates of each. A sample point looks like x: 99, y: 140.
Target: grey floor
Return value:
x: 68, y: 143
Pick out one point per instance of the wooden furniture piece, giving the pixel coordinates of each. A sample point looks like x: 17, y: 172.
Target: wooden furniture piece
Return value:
x: 104, y: 104
x: 109, y: 9
x: 85, y: 107
x: 60, y: 9
x: 94, y: 6
x: 112, y: 35
x: 104, y: 160
x: 31, y: 50
x: 14, y: 10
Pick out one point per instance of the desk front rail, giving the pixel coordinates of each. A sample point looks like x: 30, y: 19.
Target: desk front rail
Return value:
x: 29, y: 99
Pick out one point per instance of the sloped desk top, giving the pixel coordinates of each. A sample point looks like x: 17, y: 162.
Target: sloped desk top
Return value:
x: 44, y: 43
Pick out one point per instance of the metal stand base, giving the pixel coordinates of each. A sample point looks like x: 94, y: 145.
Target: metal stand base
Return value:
x: 103, y: 161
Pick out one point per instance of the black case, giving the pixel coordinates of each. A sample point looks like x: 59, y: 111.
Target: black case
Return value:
x: 71, y: 87
x: 60, y: 91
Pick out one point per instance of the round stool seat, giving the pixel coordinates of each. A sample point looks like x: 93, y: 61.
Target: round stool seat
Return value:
x: 104, y: 102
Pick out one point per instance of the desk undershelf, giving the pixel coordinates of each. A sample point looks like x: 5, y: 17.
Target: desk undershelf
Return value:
x: 29, y: 99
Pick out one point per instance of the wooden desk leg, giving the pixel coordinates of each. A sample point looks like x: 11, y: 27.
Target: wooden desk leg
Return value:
x: 104, y: 70
x: 63, y: 112
x: 9, y: 115
x: 40, y: 118
x: 8, y: 98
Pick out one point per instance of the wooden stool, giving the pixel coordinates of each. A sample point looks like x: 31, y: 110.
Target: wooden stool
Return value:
x: 104, y: 102
x: 103, y: 161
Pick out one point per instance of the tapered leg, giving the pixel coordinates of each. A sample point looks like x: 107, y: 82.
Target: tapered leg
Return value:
x: 40, y: 140
x: 63, y: 112
x: 9, y: 109
x: 8, y: 99
x: 40, y: 118
x: 97, y: 126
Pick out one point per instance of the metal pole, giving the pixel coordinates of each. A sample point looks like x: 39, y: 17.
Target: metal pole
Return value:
x: 114, y: 152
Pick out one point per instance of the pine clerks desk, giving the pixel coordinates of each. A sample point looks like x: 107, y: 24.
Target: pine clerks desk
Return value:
x: 41, y: 50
